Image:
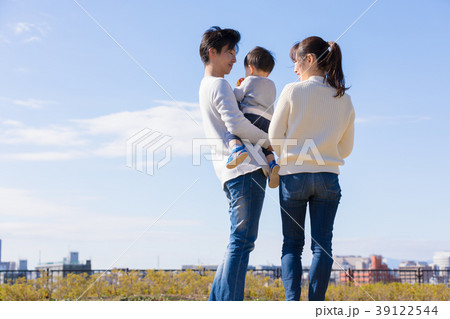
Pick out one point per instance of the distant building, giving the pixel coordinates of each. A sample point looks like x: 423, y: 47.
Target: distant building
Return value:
x: 202, y: 267
x: 272, y: 271
x: 23, y: 264
x: 266, y: 267
x: 7, y: 269
x: 73, y: 257
x: 372, y: 270
x: 265, y: 270
x: 68, y: 265
x: 442, y: 260
x: 3, y: 266
x: 65, y: 267
x: 11, y: 275
x: 352, y: 262
x: 214, y: 267
x: 6, y: 265
x: 414, y: 272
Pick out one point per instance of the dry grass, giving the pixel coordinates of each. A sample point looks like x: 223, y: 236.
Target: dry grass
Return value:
x: 160, y: 285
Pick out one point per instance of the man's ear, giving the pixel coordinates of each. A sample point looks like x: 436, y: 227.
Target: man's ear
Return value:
x: 212, y: 52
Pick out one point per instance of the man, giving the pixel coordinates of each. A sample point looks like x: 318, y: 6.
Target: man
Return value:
x: 244, y: 185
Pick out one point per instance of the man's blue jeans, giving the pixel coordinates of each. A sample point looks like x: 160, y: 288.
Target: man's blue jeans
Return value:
x: 322, y: 192
x: 245, y: 196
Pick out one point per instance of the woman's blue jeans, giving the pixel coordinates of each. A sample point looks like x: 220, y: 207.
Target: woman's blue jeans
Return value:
x: 322, y: 192
x: 245, y: 196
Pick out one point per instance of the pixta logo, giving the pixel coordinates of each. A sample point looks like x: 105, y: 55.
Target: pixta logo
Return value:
x: 148, y: 150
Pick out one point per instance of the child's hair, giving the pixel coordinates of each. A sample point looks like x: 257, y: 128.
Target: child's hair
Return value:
x: 329, y: 59
x: 218, y: 38
x: 261, y: 59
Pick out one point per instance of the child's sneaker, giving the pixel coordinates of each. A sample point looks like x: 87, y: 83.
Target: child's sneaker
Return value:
x: 237, y: 156
x: 274, y: 178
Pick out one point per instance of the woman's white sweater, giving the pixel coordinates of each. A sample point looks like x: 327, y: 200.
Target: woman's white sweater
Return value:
x: 311, y: 130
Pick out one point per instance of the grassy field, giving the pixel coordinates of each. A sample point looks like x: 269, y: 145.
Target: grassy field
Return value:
x: 159, y: 285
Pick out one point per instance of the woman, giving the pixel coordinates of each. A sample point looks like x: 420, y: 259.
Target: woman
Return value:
x: 313, y: 127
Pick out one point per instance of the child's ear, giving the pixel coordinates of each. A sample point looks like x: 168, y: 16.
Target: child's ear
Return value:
x: 252, y: 69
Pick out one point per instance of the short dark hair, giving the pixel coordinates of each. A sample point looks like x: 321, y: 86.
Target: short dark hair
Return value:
x: 261, y: 59
x: 218, y: 38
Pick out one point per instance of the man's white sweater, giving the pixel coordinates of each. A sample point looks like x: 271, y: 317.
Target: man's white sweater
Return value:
x: 320, y: 125
x: 220, y: 113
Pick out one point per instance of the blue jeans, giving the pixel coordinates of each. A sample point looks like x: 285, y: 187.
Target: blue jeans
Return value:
x: 322, y: 192
x: 245, y: 195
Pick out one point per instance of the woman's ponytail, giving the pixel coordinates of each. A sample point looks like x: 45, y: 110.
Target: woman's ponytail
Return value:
x: 333, y: 69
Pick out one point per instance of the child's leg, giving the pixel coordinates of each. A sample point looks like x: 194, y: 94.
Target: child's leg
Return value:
x: 237, y: 149
x: 233, y: 143
x: 274, y: 178
x: 269, y: 155
x: 270, y: 158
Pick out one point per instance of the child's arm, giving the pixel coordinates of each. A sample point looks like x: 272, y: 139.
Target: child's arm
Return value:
x: 239, y: 90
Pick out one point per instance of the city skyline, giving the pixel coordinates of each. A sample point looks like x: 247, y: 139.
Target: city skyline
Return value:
x: 71, y: 98
x: 439, y: 257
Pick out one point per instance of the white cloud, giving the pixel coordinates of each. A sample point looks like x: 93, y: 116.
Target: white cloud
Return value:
x: 43, y: 28
x: 31, y: 103
x: 22, y: 27
x: 13, y: 123
x: 30, y: 32
x: 166, y: 119
x: 32, y: 39
x: 25, y: 27
x: 53, y: 135
x: 44, y: 156
x: 21, y: 203
x: 106, y: 136
x: 180, y: 104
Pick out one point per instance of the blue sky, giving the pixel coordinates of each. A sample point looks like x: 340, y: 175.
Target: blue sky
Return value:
x: 70, y: 98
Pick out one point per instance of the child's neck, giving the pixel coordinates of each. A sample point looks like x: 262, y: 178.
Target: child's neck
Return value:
x: 260, y: 73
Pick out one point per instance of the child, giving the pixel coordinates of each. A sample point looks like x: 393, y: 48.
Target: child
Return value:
x: 256, y: 95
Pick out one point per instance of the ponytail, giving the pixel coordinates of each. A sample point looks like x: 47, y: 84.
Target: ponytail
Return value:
x: 329, y: 60
x: 333, y: 69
